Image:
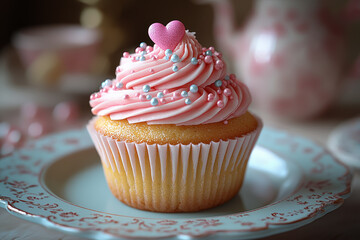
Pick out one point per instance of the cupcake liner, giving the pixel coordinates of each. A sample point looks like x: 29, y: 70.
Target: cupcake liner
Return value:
x: 174, y: 178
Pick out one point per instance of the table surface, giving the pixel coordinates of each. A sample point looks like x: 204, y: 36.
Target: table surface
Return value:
x: 342, y: 223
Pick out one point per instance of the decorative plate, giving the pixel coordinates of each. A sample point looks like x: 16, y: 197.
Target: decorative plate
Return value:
x: 58, y: 182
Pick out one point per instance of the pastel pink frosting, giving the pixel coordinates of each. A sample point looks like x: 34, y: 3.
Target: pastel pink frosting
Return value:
x: 210, y: 103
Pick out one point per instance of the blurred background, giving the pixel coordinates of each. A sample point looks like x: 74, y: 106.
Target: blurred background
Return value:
x: 54, y: 54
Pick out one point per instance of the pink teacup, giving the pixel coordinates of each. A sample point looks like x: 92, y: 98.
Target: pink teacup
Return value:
x: 74, y: 46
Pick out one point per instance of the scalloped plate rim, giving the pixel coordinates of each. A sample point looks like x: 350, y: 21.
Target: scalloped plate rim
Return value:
x: 269, y: 229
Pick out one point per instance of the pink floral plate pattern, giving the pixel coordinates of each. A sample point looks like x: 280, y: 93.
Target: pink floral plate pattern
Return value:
x: 308, y: 182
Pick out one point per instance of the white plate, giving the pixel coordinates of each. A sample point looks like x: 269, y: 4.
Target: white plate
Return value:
x: 58, y: 182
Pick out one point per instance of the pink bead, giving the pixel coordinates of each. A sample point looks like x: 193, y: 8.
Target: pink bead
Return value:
x: 149, y: 49
x: 162, y: 100
x: 227, y: 92
x: 224, y: 83
x: 97, y: 95
x: 226, y: 122
x: 126, y: 97
x: 176, y: 94
x: 133, y: 58
x: 211, y: 97
x: 165, y: 91
x: 200, y: 61
x: 92, y: 96
x: 203, y: 49
x: 105, y: 89
x: 151, y: 70
x: 219, y: 64
x: 220, y: 104
x: 137, y: 94
x: 172, y: 99
x: 138, y: 50
x: 218, y: 54
x: 66, y: 111
x: 219, y: 91
x: 232, y: 76
x: 142, y: 97
x: 126, y: 54
x: 212, y: 49
x: 118, y: 69
x: 208, y: 59
x: 201, y: 57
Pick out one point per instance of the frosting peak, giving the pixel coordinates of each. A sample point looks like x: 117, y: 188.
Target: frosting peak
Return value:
x: 184, y: 86
x: 156, y: 69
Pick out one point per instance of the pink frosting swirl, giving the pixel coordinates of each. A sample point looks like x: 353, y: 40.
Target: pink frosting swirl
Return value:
x: 137, y: 74
x: 188, y: 86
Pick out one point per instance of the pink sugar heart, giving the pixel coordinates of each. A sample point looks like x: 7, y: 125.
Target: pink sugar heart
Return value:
x: 167, y: 37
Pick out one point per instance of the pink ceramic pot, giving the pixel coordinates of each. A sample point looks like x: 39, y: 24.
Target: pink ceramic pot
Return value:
x: 75, y: 46
x: 290, y: 54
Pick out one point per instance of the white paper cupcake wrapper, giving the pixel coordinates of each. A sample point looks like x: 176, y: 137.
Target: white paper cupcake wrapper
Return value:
x: 185, y: 175
x: 113, y: 153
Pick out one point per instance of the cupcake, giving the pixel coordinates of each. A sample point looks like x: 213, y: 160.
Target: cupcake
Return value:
x: 173, y: 129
